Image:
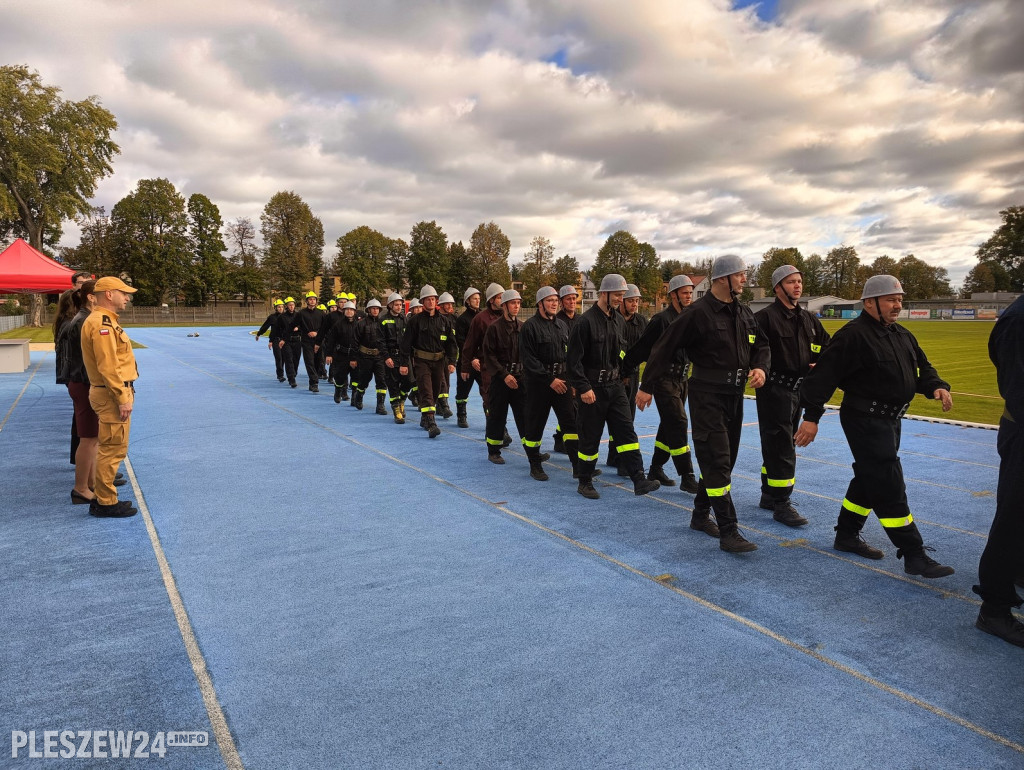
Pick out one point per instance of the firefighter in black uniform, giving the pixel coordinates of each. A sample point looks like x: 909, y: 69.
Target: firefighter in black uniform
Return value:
x: 567, y: 299
x: 429, y: 339
x: 1002, y: 562
x: 306, y: 325
x: 393, y: 324
x: 670, y: 396
x: 634, y: 325
x: 542, y: 346
x: 501, y: 361
x: 371, y: 349
x: 727, y: 349
x: 796, y: 339
x: 446, y: 306
x: 270, y: 325
x: 340, y: 350
x: 288, y: 341
x: 593, y: 360
x: 337, y: 368
x: 879, y: 366
x: 471, y: 301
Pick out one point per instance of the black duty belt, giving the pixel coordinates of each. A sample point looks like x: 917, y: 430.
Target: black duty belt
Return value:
x: 555, y: 368
x: 736, y: 377
x: 424, y: 355
x: 601, y: 376
x: 786, y: 380
x: 514, y: 369
x: 373, y: 352
x: 679, y: 371
x: 875, y: 408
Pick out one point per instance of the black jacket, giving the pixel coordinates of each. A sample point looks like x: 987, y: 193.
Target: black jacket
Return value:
x: 431, y: 334
x: 340, y: 338
x: 1006, y: 349
x: 639, y: 352
x: 795, y: 336
x: 501, y: 347
x: 69, y: 342
x: 542, y: 343
x: 270, y: 325
x: 595, y: 343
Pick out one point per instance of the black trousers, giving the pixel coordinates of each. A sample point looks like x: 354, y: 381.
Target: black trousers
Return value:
x: 778, y: 417
x: 540, y: 400
x: 429, y: 383
x: 671, y: 442
x: 717, y: 420
x: 370, y: 367
x: 310, y: 360
x: 463, y: 387
x: 1002, y: 562
x: 877, y: 482
x: 399, y: 386
x: 278, y: 359
x: 503, y: 398
x: 632, y: 386
x: 612, y: 408
x: 291, y: 353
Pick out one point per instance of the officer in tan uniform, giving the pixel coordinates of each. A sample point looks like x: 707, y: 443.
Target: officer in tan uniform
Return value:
x: 108, y: 357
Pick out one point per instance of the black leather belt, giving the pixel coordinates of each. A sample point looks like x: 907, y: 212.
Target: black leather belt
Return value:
x: 787, y: 380
x: 736, y: 377
x: 555, y: 368
x: 679, y: 371
x: 875, y: 408
x: 602, y: 376
x: 514, y: 369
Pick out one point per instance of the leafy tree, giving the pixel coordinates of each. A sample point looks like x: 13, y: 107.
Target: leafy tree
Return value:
x: 815, y: 277
x: 921, y: 280
x: 1005, y: 248
x: 459, y: 268
x: 52, y: 154
x: 985, y: 277
x: 209, y: 266
x: 151, y: 244
x: 841, y: 266
x: 293, y: 243
x: 647, y: 273
x: 95, y: 250
x: 428, y: 257
x: 246, y: 277
x: 619, y: 254
x: 398, y: 257
x: 883, y: 265
x: 362, y: 262
x: 537, y: 267
x: 565, y: 272
x: 774, y: 258
x: 488, y: 256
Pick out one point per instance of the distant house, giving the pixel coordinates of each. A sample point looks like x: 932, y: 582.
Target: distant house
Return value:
x: 701, y: 286
x: 818, y: 305
x: 588, y: 295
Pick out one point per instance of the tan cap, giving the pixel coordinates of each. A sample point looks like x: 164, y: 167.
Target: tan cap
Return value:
x: 111, y: 283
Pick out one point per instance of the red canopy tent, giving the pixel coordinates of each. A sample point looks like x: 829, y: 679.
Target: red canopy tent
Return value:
x: 23, y: 270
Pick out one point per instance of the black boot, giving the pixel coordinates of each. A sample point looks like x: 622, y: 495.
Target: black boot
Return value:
x: 586, y: 488
x: 643, y: 485
x: 463, y: 416
x: 432, y: 430
x: 357, y: 399
x: 414, y: 398
x: 729, y: 539
x: 506, y: 440
x: 920, y: 563
x: 381, y: 409
x: 702, y: 521
x: 687, y: 483
x: 537, y: 471
x: 495, y: 457
x: 442, y: 407
x: 423, y: 421
x: 344, y: 393
x: 786, y: 514
x: 767, y: 502
x: 852, y: 542
x: 1002, y: 624
x: 337, y: 395
x: 657, y: 472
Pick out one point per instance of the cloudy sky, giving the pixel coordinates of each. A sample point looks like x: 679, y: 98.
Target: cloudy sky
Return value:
x: 702, y: 126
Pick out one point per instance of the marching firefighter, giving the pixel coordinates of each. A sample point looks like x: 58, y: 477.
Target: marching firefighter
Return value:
x: 471, y: 301
x: 593, y: 359
x: 446, y: 306
x: 670, y: 396
x: 542, y: 347
x: 371, y: 353
x: 289, y: 342
x: 340, y: 351
x: 721, y: 338
x: 472, y: 350
x: 270, y: 325
x: 796, y: 339
x: 880, y: 367
x: 567, y: 299
x: 502, y: 363
x: 633, y: 328
x: 429, y: 339
x: 306, y: 325
x: 393, y: 324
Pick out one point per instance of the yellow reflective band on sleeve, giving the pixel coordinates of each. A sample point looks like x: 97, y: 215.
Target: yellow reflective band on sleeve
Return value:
x: 570, y: 437
x: 781, y: 482
x: 495, y: 441
x: 622, y: 354
x: 719, y: 491
x: 659, y: 445
x: 903, y: 521
x: 380, y: 390
x: 815, y: 348
x: 388, y: 321
x: 860, y: 510
x: 444, y: 338
x: 627, y: 448
x: 681, y: 451
x: 531, y: 443
x: 752, y: 338
x: 588, y: 458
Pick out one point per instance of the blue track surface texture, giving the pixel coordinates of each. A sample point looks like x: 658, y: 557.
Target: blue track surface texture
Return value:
x: 362, y: 596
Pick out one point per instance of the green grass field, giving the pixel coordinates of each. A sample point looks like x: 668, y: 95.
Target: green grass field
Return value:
x: 40, y: 334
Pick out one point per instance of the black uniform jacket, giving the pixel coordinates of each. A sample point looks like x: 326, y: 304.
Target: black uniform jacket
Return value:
x: 69, y: 338
x: 595, y: 343
x: 569, y: 322
x: 462, y: 327
x: 473, y: 346
x: 340, y: 338
x: 640, y: 351
x: 308, y: 320
x: 284, y: 325
x: 431, y: 334
x: 1006, y: 349
x: 870, y: 360
x: 543, y: 343
x: 633, y: 329
x: 394, y: 328
x: 722, y: 340
x: 370, y: 334
x: 501, y: 347
x: 270, y: 325
x: 796, y: 337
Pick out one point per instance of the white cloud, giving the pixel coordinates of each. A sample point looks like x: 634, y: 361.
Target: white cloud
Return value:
x: 894, y: 126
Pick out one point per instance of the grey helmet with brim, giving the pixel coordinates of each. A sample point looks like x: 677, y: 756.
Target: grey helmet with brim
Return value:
x: 726, y: 265
x: 544, y: 292
x: 881, y: 286
x: 613, y: 282
x: 677, y: 282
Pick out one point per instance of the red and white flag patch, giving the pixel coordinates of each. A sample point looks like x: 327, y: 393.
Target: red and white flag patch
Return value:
x: 104, y: 332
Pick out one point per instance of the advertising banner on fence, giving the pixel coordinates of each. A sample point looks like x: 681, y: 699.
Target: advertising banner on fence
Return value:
x: 963, y: 313
x: 986, y: 314
x: 919, y: 315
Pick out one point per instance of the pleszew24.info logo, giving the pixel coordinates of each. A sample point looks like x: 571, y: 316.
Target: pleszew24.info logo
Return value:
x: 101, y: 744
